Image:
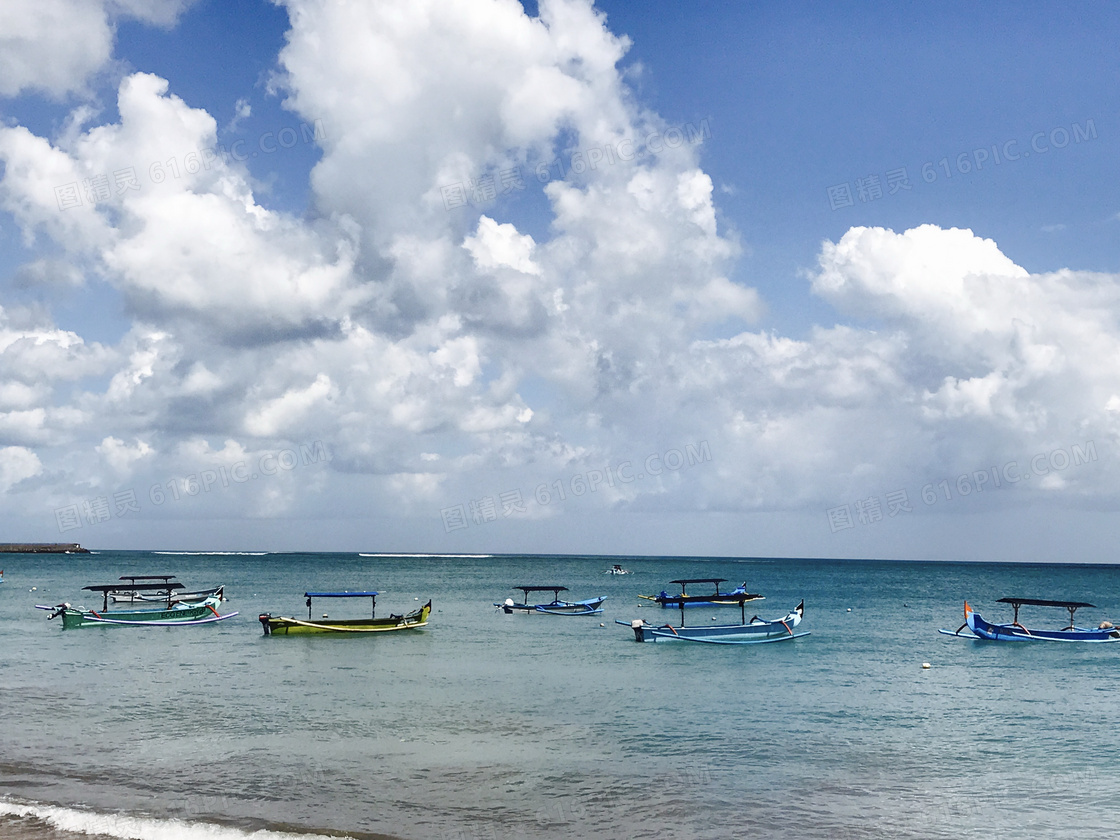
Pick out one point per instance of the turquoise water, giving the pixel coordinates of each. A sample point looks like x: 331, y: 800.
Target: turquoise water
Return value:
x: 485, y: 725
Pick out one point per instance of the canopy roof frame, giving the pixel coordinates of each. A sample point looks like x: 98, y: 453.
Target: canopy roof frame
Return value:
x: 1072, y: 606
x: 345, y: 594
x: 528, y: 589
x: 167, y: 589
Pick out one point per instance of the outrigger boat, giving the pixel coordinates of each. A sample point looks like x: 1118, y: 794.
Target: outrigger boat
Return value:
x: 174, y: 613
x: 755, y: 631
x: 121, y: 596
x: 736, y: 596
x: 589, y: 606
x: 981, y: 629
x: 279, y: 625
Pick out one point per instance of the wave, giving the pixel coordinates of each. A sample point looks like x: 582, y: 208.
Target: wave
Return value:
x: 216, y: 553
x: 142, y: 828
x: 456, y: 556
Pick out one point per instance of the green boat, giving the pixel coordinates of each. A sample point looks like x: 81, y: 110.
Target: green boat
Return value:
x: 173, y: 613
x: 279, y: 625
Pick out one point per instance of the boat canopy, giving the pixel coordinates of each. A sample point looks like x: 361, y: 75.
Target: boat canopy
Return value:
x: 135, y: 578
x: 134, y: 587
x: 528, y: 589
x: 166, y: 588
x: 1072, y: 606
x: 699, y: 580
x: 1035, y: 602
x: 346, y: 594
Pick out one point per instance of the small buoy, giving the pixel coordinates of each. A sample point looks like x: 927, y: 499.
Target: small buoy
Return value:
x: 601, y: 624
x: 849, y: 609
x: 713, y: 618
x: 33, y: 588
x: 925, y: 666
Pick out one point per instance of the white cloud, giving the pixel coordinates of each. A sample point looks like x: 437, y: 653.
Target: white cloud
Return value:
x: 275, y: 417
x: 120, y: 456
x: 54, y: 46
x: 496, y: 246
x: 16, y: 464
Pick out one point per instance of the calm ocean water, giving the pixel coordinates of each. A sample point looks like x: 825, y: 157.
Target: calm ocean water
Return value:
x: 493, y: 726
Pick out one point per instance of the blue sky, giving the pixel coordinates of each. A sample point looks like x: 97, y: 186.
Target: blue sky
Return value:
x: 890, y: 261
x: 806, y: 96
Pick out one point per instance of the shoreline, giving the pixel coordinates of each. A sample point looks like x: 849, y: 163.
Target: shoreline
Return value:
x: 22, y: 819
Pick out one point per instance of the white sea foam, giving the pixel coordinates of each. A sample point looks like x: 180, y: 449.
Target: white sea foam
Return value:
x: 456, y: 556
x: 139, y: 828
x: 215, y: 553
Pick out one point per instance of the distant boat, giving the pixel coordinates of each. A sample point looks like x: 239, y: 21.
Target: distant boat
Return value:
x: 590, y: 606
x: 618, y: 570
x: 172, y: 614
x: 1016, y: 632
x: 755, y: 631
x: 281, y: 626
x: 714, y: 599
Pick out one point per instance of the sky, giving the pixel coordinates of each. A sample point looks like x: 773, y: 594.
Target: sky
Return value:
x: 476, y: 276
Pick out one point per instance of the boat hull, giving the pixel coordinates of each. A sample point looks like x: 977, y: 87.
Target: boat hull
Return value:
x: 177, y: 615
x: 725, y: 599
x: 1017, y: 633
x: 589, y: 606
x: 282, y: 626
x: 756, y: 632
x: 181, y: 597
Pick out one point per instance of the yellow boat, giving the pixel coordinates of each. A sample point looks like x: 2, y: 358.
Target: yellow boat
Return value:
x: 280, y: 625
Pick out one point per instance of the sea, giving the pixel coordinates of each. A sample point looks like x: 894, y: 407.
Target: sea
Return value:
x: 486, y: 725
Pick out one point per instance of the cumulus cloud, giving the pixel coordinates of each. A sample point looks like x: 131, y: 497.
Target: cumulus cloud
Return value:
x: 120, y: 456
x: 190, y: 244
x: 974, y: 361
x: 16, y: 464
x: 54, y: 46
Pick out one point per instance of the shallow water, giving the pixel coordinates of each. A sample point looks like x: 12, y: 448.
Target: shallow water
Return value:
x: 486, y: 725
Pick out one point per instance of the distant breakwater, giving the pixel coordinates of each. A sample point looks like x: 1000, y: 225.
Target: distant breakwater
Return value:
x: 42, y: 548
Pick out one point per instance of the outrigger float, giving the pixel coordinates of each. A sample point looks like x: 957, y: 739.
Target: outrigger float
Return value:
x: 1016, y: 632
x: 589, y: 606
x: 755, y: 631
x: 279, y: 625
x: 736, y: 596
x: 174, y: 613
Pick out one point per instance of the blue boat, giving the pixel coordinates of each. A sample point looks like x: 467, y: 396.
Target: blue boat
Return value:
x: 1016, y: 632
x: 711, y: 599
x: 755, y: 631
x: 590, y: 606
